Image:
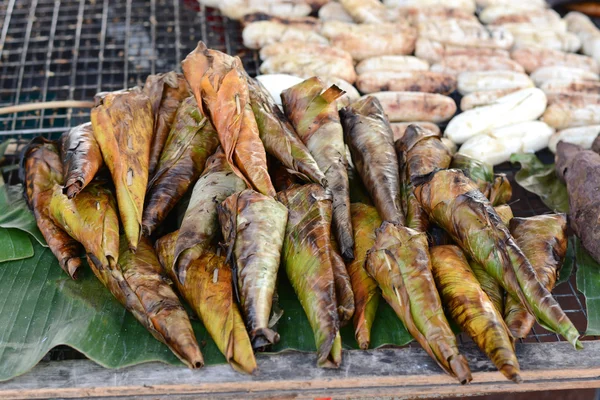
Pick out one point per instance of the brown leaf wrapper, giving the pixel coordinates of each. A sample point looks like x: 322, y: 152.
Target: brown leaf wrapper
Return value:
x: 543, y: 239
x: 166, y: 92
x: 81, y: 158
x: 399, y: 262
x: 208, y: 290
x: 218, y: 83
x: 365, y: 220
x: 41, y: 169
x: 308, y: 264
x: 191, y: 141
x: 200, y: 226
x: 369, y: 136
x: 123, y: 126
x: 315, y: 116
x: 253, y: 226
x: 455, y: 203
x: 472, y: 309
x: 343, y: 286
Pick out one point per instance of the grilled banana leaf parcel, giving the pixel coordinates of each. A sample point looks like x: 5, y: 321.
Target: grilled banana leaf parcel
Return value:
x: 455, y: 203
x: 208, y: 290
x: 200, y: 226
x: 343, y: 286
x: 253, y: 226
x: 543, y: 239
x: 137, y: 282
x: 191, y: 141
x: 219, y: 85
x: 278, y: 135
x: 81, y: 158
x: 472, y: 309
x: 315, y: 116
x: 399, y: 262
x: 166, y: 92
x: 496, y: 187
x: 308, y: 265
x: 500, y: 191
x: 41, y: 169
x: 365, y: 220
x: 123, y: 126
x: 369, y: 136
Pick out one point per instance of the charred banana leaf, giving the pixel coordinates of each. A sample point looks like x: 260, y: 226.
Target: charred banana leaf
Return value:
x: 455, y: 203
x: 315, y: 116
x: 496, y: 188
x: 472, y: 309
x: 41, y: 170
x: 308, y: 265
x: 343, y: 286
x: 208, y: 290
x: 500, y: 191
x: 253, y: 226
x: 191, y: 141
x: 219, y: 85
x: 166, y: 92
x: 123, y: 125
x: 399, y: 262
x: 365, y: 220
x: 369, y: 136
x: 81, y: 158
x: 200, y: 226
x: 543, y: 239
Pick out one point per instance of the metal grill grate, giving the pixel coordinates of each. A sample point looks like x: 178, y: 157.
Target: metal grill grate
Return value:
x: 71, y: 49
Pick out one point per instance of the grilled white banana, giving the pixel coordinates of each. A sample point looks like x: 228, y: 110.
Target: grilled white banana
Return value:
x: 571, y: 87
x: 366, y: 11
x: 465, y: 33
x: 533, y: 58
x: 583, y: 136
x: 512, y: 3
x: 433, y: 51
x: 548, y: 39
x: 521, y: 106
x: 392, y: 63
x: 277, y: 83
x: 334, y: 11
x: 399, y: 128
x: 496, y: 146
x: 409, y: 81
x: 504, y: 15
x: 259, y: 34
x: 416, y: 106
x: 484, y: 98
x: 306, y: 65
x: 585, y: 29
x: 465, y: 5
x: 567, y: 114
x: 456, y: 64
x: 236, y: 9
x: 559, y: 72
x: 469, y: 82
x: 308, y: 23
x: 418, y: 14
x: 296, y: 46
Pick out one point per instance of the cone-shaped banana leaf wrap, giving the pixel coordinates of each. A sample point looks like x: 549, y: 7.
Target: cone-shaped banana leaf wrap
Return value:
x: 166, y: 92
x: 41, y: 169
x: 399, y: 262
x: 200, y: 226
x: 500, y: 190
x: 472, y: 309
x: 343, y: 286
x: 278, y: 135
x: 315, y: 116
x: 220, y: 87
x: 253, y: 226
x: 191, y: 141
x: 496, y: 188
x: 91, y: 219
x: 365, y: 221
x: 455, y: 203
x: 369, y: 136
x: 307, y: 260
x: 543, y: 239
x: 81, y: 158
x: 208, y: 290
x: 123, y: 124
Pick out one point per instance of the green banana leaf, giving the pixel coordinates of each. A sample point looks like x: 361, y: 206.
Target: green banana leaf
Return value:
x: 569, y: 263
x: 15, y: 213
x: 588, y: 283
x: 539, y: 178
x: 14, y: 245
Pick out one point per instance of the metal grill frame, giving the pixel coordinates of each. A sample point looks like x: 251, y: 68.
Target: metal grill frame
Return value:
x: 71, y: 49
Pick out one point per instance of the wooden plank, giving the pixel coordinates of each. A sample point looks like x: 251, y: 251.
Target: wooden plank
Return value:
x: 406, y: 372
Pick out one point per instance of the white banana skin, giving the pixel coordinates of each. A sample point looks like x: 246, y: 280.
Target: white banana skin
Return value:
x: 261, y: 33
x: 466, y: 5
x: 236, y: 9
x: 476, y: 81
x: 521, y: 106
x: 334, y: 11
x: 392, y: 63
x: 583, y: 136
x: 559, y: 72
x: 585, y: 29
x: 277, y: 83
x: 496, y: 146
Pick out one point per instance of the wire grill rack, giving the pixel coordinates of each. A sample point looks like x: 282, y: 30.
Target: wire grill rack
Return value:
x: 72, y: 49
